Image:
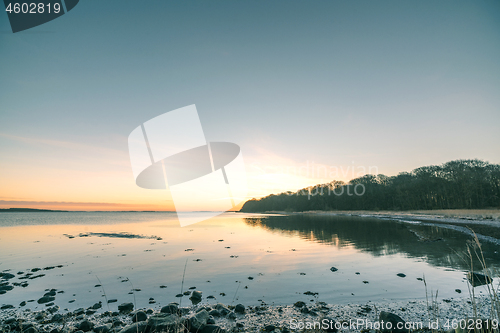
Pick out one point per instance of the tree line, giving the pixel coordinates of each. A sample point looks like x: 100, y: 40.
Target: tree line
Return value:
x: 459, y: 184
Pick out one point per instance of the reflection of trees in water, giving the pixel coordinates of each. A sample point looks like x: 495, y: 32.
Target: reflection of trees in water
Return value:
x: 437, y: 246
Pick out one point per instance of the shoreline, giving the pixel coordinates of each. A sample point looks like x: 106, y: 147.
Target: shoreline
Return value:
x: 212, y: 318
x: 484, y: 223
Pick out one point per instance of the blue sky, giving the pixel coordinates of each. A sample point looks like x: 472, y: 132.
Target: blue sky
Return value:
x: 391, y: 84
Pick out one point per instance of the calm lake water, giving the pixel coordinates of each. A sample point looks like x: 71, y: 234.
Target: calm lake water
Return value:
x: 240, y: 258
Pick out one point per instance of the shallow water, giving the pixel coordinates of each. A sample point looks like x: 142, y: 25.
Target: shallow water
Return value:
x: 284, y: 255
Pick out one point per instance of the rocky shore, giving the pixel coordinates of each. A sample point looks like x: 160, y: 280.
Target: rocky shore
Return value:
x: 219, y: 318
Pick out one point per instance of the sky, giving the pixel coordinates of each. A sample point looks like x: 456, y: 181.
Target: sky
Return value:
x: 311, y: 91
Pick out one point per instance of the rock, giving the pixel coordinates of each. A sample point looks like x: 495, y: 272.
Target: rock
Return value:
x: 477, y: 279
x: 239, y: 308
x: 240, y: 325
x: 139, y: 327
x: 222, y: 309
x: 6, y: 288
x: 113, y: 300
x: 56, y: 318
x: 6, y: 276
x: 269, y: 328
x: 214, y: 313
x: 170, y: 308
x: 299, y: 304
x: 211, y: 321
x: 196, y: 297
x: 79, y: 311
x: 125, y: 307
x: 7, y: 306
x: 139, y: 316
x: 86, y: 325
x: 198, y: 320
x: 232, y: 315
x: 90, y: 312
x: 97, y: 306
x: 390, y: 323
x: 50, y: 293
x: 31, y: 329
x: 212, y: 329
x: 53, y: 309
x: 23, y: 303
x: 401, y: 275
x: 103, y: 328
x: 163, y: 322
x: 329, y: 325
x: 46, y: 299
x: 334, y: 269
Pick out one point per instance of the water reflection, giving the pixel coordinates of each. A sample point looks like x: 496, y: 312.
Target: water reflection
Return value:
x: 437, y: 246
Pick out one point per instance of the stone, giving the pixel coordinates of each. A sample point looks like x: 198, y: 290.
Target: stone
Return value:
x: 139, y: 327
x: 212, y: 329
x: 6, y: 276
x: 86, y: 325
x: 222, y: 309
x: 196, y: 297
x: 103, y: 328
x: 97, y: 306
x: 299, y: 304
x: 393, y: 319
x: 6, y: 288
x: 334, y: 269
x: 214, y: 313
x: 477, y: 279
x: 211, y: 321
x: 269, y: 328
x: 50, y: 293
x: 239, y: 308
x: 53, y: 309
x: 139, y: 316
x: 79, y: 311
x: 163, y: 322
x: 232, y: 315
x: 125, y: 307
x: 401, y: 275
x: 46, y: 299
x: 56, y: 318
x: 7, y: 306
x: 170, y: 308
x: 31, y: 329
x: 198, y: 320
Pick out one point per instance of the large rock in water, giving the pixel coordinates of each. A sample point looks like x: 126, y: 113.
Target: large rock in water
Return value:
x: 169, y: 323
x: 391, y: 322
x: 477, y: 279
x: 196, y: 297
